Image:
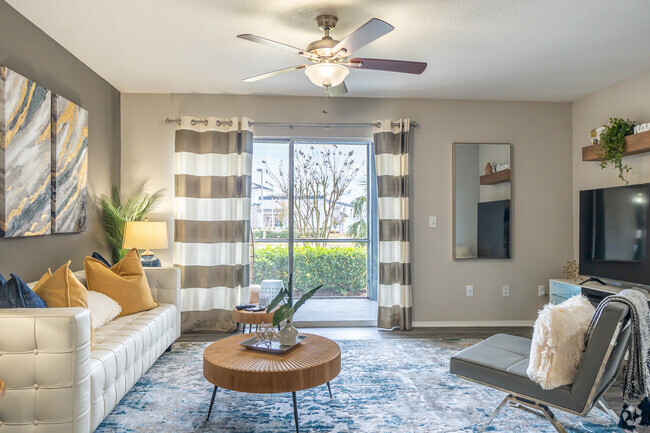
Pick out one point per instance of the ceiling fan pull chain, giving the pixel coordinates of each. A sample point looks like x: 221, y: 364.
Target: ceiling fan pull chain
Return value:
x: 325, y: 91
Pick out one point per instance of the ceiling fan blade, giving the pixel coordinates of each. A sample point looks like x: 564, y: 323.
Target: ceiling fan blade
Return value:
x: 370, y: 31
x: 339, y: 90
x: 274, y: 73
x: 270, y: 43
x: 388, y: 65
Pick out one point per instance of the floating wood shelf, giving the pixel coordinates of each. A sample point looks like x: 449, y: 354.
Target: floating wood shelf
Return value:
x: 496, y: 177
x: 634, y: 144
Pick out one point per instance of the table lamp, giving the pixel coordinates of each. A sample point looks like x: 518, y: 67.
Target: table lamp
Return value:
x: 145, y: 235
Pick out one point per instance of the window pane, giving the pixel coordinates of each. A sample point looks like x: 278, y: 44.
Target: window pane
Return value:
x: 269, y: 195
x: 330, y: 190
x: 271, y: 261
x: 340, y: 267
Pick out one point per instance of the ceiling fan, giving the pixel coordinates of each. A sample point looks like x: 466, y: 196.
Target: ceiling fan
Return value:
x: 330, y: 61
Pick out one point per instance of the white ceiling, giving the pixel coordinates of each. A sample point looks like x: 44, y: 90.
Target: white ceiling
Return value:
x: 541, y: 50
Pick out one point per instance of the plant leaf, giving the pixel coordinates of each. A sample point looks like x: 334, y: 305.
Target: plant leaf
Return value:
x: 306, y: 297
x: 274, y: 303
x: 285, y: 312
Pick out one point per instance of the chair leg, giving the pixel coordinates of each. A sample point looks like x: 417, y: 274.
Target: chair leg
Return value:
x: 602, y: 405
x: 551, y: 417
x: 494, y: 414
x: 525, y: 404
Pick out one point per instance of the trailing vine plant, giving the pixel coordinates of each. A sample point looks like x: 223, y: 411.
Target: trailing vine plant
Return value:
x: 612, y: 144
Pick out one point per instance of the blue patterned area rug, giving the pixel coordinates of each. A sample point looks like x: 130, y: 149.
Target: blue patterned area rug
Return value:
x: 396, y: 385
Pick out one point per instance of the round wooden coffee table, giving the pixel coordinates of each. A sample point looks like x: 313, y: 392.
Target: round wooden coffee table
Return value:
x: 251, y: 318
x: 314, y: 362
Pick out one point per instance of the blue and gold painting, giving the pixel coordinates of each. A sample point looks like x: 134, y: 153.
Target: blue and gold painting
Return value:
x: 69, y: 166
x: 25, y: 161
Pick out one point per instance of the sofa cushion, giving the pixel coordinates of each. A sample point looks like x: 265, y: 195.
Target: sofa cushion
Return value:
x: 501, y: 362
x: 125, y: 282
x: 15, y: 293
x: 124, y: 349
x: 102, y: 308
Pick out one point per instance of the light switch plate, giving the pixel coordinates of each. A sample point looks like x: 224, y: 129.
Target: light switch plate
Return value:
x: 433, y: 221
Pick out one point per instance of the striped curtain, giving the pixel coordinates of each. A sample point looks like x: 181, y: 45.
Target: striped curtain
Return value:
x: 395, y: 307
x: 213, y: 163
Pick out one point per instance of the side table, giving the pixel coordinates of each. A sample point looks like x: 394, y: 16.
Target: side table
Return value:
x: 251, y: 318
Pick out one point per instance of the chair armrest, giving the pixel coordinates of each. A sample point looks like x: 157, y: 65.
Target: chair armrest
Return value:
x: 165, y: 284
x: 45, y: 364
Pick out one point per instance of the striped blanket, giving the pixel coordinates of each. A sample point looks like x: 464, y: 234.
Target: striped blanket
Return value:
x: 636, y: 372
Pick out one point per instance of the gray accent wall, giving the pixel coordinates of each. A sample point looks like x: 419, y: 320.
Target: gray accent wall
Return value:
x: 27, y: 50
x: 540, y: 134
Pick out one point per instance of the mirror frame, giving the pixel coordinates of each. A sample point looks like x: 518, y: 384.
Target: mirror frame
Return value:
x: 453, y: 201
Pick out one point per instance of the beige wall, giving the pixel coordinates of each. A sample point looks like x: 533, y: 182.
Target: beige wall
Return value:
x: 628, y: 99
x: 540, y: 134
x: 27, y: 50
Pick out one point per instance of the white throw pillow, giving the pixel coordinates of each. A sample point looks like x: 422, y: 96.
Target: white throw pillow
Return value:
x: 102, y: 308
x: 558, y: 342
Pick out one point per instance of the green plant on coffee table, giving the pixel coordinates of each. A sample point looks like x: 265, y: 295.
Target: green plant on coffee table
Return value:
x: 286, y: 311
x: 612, y: 144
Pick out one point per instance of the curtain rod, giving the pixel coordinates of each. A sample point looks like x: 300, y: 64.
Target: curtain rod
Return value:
x: 292, y: 125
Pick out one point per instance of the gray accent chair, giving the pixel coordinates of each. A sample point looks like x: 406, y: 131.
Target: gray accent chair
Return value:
x: 501, y: 361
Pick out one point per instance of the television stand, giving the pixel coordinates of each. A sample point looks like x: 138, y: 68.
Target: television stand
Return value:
x: 561, y: 290
x: 594, y: 279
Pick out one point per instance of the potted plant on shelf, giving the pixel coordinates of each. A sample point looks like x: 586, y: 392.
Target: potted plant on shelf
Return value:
x: 612, y: 144
x: 288, y: 334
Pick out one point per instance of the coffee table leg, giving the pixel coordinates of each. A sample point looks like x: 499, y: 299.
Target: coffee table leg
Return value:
x: 295, y: 411
x: 329, y: 389
x: 214, y: 393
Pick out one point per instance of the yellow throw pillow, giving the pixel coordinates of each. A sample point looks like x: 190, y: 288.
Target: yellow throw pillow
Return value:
x: 125, y: 282
x: 62, y: 289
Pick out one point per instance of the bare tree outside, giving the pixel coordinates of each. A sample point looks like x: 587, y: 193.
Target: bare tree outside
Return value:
x: 323, y: 174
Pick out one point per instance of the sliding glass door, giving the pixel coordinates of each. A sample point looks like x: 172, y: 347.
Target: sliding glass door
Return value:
x: 310, y: 214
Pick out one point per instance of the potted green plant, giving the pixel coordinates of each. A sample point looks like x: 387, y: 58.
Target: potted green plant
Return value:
x: 115, y: 213
x: 288, y: 334
x: 612, y: 144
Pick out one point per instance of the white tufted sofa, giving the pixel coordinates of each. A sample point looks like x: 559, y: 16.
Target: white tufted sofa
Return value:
x: 56, y: 384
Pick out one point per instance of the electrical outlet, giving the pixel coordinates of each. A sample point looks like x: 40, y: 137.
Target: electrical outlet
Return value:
x: 433, y: 222
x: 506, y: 290
x: 469, y: 290
x: 541, y: 290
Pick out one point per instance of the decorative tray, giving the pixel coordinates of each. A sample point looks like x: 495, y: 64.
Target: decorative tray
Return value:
x: 273, y: 347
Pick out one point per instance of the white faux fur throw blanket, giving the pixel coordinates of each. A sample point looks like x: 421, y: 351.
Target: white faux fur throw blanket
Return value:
x: 559, y: 342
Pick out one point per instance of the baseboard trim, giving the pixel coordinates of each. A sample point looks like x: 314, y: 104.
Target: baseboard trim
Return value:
x: 473, y: 324
x: 335, y: 324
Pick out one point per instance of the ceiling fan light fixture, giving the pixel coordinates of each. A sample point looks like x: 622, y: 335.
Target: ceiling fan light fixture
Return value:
x: 327, y: 74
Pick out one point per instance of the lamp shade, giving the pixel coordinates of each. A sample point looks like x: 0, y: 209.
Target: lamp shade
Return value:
x: 327, y: 74
x: 145, y: 235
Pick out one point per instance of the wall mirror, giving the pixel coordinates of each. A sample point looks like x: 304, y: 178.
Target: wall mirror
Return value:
x: 482, y: 196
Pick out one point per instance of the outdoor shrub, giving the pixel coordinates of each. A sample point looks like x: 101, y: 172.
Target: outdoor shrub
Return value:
x: 270, y: 234
x: 342, y: 270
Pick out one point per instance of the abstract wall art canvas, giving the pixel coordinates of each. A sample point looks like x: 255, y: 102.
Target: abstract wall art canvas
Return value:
x: 25, y: 162
x: 69, y: 166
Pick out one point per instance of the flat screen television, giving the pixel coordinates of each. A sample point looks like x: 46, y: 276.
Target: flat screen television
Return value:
x: 614, y: 234
x: 493, y: 229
